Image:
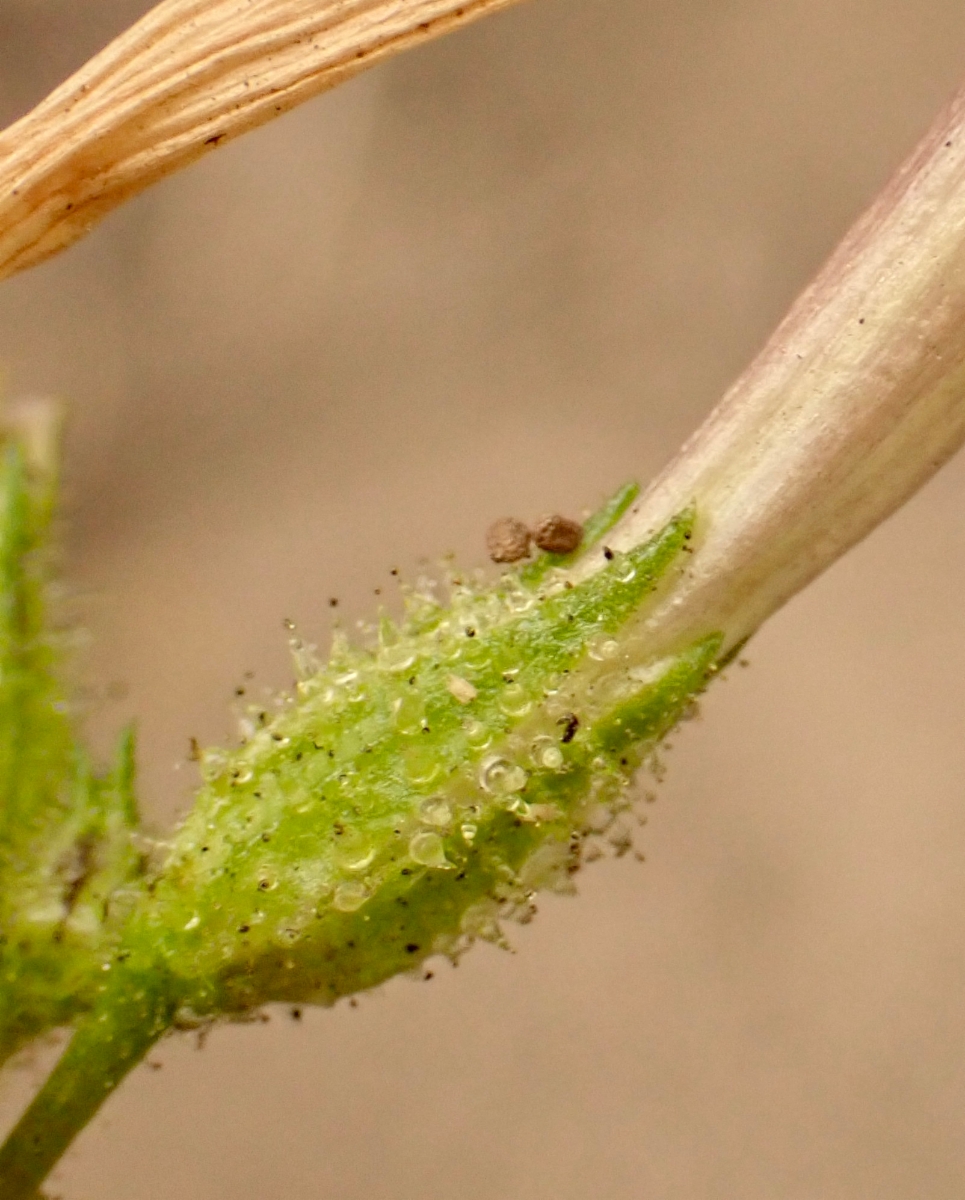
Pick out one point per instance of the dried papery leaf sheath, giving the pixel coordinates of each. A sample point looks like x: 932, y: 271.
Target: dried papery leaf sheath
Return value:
x: 187, y: 77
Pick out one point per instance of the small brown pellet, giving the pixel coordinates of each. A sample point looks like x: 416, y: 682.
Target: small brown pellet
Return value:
x: 507, y: 540
x: 557, y: 535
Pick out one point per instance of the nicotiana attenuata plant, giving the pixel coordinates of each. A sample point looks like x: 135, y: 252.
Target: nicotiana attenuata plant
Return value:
x: 419, y: 789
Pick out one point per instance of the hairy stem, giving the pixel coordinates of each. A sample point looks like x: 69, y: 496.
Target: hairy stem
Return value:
x: 133, y: 1014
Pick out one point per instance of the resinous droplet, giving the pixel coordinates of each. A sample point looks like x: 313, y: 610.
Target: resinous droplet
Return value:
x: 519, y: 601
x: 546, y: 754
x: 602, y: 649
x: 428, y: 850
x: 500, y: 776
x: 354, y: 851
x: 477, y: 735
x: 469, y: 832
x: 388, y: 632
x: 397, y: 658
x: 214, y: 763
x: 409, y: 714
x: 514, y: 701
x: 435, y: 811
x: 474, y: 653
x: 611, y: 687
x: 481, y: 921
x: 624, y: 569
x: 521, y: 809
x: 421, y: 764
x: 350, y: 895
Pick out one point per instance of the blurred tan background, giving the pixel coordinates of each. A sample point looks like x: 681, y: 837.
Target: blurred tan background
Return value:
x: 504, y: 274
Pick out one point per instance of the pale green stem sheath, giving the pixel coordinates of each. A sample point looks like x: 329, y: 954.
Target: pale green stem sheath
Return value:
x: 188, y: 77
x: 858, y: 398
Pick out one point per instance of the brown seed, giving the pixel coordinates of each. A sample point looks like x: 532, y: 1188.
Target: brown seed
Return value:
x: 507, y: 540
x: 557, y: 535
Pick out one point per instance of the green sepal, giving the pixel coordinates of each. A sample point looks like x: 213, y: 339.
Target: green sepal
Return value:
x: 364, y: 825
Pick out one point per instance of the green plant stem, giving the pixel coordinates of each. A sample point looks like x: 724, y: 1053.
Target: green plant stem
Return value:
x: 133, y: 1013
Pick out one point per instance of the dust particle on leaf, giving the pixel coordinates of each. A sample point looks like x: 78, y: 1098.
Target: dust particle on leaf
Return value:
x: 461, y: 688
x: 507, y: 540
x: 557, y: 535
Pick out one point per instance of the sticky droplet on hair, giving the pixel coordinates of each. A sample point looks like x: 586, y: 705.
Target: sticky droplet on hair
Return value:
x: 435, y: 811
x: 624, y: 569
x: 428, y: 850
x: 547, y: 754
x: 350, y: 896
x: 603, y: 649
x: 397, y: 658
x: 514, y: 701
x: 500, y: 776
x: 354, y: 852
x: 481, y: 920
x: 477, y: 735
x: 410, y: 712
x: 421, y: 764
